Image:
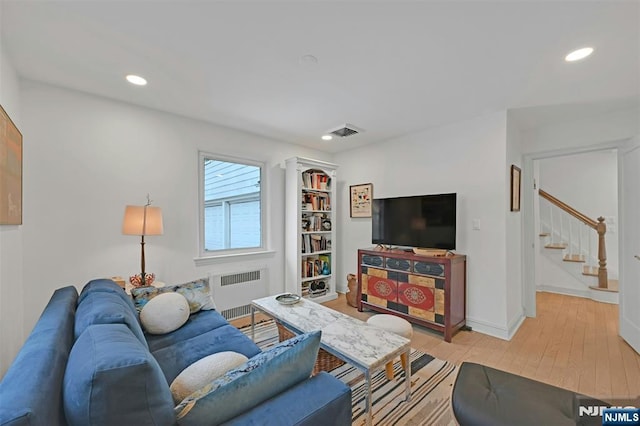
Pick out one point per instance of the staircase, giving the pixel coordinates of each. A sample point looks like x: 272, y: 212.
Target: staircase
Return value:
x: 574, y: 244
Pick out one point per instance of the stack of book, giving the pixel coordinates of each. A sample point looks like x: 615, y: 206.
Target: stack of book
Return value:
x: 316, y: 222
x: 316, y: 266
x: 312, y: 243
x: 315, y: 180
x: 316, y: 201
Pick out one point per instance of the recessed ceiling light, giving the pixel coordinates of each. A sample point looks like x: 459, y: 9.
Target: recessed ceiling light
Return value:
x: 327, y: 137
x: 576, y: 55
x: 308, y: 60
x: 137, y: 80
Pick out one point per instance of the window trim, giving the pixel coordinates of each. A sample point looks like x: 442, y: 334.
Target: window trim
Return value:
x: 206, y: 256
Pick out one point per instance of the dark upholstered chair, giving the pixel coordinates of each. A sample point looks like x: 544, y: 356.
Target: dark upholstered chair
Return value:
x: 485, y: 396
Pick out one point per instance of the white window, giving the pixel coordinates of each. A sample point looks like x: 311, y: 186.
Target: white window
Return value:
x: 231, y: 205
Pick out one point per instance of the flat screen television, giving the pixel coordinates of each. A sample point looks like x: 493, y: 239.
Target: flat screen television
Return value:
x: 424, y: 221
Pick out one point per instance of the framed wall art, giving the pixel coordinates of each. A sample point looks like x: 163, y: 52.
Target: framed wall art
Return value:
x: 10, y: 171
x: 515, y: 188
x: 360, y: 197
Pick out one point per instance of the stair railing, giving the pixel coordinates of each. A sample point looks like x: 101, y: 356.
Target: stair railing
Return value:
x: 599, y: 226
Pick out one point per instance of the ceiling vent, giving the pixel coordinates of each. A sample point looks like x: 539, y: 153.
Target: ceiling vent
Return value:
x: 346, y: 130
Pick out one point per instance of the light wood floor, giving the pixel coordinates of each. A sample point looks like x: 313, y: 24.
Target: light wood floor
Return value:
x: 573, y: 343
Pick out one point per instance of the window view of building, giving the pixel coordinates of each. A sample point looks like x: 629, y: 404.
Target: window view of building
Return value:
x: 232, y: 216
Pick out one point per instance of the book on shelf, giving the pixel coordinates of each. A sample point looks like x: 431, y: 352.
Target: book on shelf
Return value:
x: 316, y: 266
x: 309, y: 268
x: 316, y: 222
x: 316, y: 201
x: 312, y: 243
x: 315, y: 180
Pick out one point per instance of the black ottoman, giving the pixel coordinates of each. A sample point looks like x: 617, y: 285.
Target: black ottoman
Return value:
x: 485, y: 396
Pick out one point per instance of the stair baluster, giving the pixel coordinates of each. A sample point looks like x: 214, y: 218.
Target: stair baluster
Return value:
x: 551, y: 224
x: 561, y: 229
x: 580, y: 239
x: 599, y: 226
x: 591, y: 257
x: 602, y: 254
x: 570, y: 245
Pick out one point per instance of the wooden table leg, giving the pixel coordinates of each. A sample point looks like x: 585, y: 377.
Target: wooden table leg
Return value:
x: 407, y: 374
x: 403, y: 360
x: 389, y: 370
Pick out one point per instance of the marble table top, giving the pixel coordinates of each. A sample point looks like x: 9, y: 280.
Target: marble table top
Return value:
x: 348, y: 338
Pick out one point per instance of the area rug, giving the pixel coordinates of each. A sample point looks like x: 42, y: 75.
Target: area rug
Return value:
x: 431, y: 382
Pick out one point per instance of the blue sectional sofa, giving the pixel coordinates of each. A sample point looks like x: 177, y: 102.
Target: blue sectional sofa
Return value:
x: 88, y: 361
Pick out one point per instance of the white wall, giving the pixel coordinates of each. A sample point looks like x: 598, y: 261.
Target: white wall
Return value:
x: 514, y: 285
x: 467, y: 158
x: 87, y: 157
x: 612, y: 126
x: 538, y: 241
x: 589, y: 183
x: 11, y: 285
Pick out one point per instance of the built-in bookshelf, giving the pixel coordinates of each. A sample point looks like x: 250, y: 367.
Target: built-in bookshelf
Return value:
x: 310, y: 228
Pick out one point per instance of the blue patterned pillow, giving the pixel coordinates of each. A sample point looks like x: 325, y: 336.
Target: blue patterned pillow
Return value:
x: 197, y: 293
x: 262, y: 377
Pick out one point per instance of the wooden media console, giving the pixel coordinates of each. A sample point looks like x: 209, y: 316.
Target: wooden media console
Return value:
x: 425, y: 290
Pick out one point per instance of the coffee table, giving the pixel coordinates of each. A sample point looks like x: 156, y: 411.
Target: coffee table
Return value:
x: 366, y: 347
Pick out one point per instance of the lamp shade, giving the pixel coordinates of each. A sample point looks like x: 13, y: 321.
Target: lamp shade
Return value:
x: 142, y: 220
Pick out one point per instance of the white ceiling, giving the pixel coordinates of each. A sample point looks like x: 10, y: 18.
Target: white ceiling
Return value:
x: 389, y: 67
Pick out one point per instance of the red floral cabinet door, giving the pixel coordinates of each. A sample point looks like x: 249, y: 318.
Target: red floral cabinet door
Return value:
x: 422, y: 297
x: 378, y: 288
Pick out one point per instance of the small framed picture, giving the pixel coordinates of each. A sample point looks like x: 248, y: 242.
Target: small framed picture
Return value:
x: 360, y: 198
x: 515, y: 188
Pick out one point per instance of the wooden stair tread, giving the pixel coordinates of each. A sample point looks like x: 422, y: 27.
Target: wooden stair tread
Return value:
x: 592, y: 271
x: 573, y: 258
x: 610, y: 290
x: 556, y: 246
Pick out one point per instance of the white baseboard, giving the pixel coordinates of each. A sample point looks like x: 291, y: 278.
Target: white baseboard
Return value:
x: 491, y: 329
x: 604, y: 296
x: 597, y: 295
x: 566, y: 291
x: 495, y: 330
x: 631, y: 332
x: 514, y: 324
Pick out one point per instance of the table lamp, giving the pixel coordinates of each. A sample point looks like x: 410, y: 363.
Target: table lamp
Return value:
x: 142, y: 220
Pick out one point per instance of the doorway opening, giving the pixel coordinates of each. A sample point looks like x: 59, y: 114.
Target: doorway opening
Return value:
x: 531, y: 205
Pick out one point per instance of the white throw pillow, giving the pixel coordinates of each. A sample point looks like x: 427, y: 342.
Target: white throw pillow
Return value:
x: 165, y: 313
x: 204, y: 371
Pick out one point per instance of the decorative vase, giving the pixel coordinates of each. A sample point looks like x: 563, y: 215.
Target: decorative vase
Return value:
x: 136, y: 280
x: 352, y: 294
x: 325, y: 269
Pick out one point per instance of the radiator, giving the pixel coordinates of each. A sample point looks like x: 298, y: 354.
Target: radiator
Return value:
x: 233, y: 292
